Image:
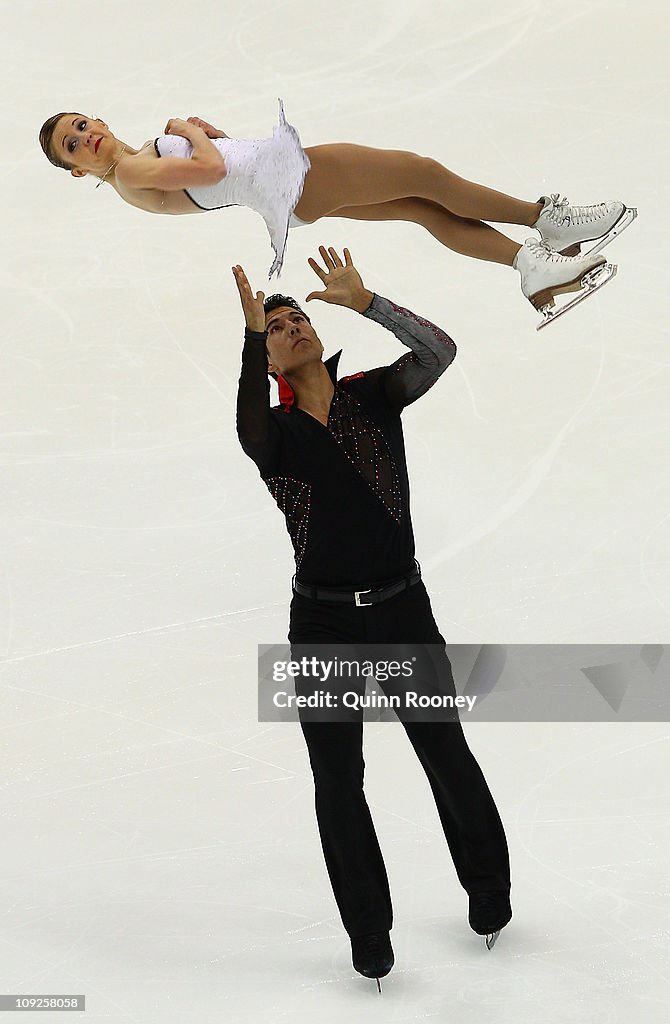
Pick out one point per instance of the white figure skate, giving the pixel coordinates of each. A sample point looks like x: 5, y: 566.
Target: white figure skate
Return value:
x: 546, y: 274
x: 571, y: 229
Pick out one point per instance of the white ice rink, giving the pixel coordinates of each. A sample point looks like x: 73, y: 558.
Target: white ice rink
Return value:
x: 158, y: 849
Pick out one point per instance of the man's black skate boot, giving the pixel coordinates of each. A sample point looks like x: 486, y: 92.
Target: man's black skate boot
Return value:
x: 489, y: 913
x: 372, y: 955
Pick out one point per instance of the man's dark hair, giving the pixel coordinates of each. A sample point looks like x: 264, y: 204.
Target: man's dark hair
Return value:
x: 46, y: 135
x: 277, y: 300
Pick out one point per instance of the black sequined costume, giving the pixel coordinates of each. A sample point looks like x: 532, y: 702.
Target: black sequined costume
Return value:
x: 344, y: 491
x: 349, y: 479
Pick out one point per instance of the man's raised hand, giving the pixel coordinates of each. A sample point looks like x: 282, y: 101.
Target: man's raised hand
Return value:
x: 252, y: 306
x: 343, y: 283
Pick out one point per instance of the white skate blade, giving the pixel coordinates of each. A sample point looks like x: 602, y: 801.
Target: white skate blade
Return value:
x: 624, y: 221
x: 491, y: 939
x: 590, y: 283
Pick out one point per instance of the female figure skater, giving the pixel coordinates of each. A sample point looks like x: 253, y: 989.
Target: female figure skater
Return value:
x: 195, y: 167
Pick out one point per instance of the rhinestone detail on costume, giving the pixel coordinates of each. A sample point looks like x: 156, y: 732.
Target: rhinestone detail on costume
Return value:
x: 403, y: 361
x: 364, y: 445
x: 422, y: 323
x: 293, y: 498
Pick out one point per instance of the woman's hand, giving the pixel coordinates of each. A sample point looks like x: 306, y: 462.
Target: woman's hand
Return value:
x: 177, y: 126
x: 210, y: 131
x: 252, y: 306
x: 343, y: 283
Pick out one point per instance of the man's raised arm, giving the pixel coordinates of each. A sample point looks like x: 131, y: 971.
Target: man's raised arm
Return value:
x: 432, y: 352
x: 432, y: 349
x: 258, y: 434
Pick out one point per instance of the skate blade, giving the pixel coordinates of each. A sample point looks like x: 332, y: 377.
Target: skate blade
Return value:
x: 624, y: 221
x: 590, y: 283
x: 379, y: 986
x: 544, y: 299
x: 491, y: 939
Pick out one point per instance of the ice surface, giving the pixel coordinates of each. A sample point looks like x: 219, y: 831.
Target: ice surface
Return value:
x: 158, y: 849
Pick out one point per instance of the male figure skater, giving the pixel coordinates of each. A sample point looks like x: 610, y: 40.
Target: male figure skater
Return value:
x: 332, y: 456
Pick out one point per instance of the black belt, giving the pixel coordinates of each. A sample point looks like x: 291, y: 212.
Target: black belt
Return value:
x: 373, y: 595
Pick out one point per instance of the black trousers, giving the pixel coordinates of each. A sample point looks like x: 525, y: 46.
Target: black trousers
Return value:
x: 469, y: 817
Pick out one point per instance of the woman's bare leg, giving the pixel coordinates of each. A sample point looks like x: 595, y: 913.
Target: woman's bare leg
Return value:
x: 469, y: 237
x: 346, y: 175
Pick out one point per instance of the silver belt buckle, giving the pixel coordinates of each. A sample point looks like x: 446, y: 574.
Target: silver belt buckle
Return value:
x: 357, y: 598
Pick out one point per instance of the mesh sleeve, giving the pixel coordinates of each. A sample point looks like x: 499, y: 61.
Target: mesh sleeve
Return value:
x: 414, y: 373
x: 259, y: 435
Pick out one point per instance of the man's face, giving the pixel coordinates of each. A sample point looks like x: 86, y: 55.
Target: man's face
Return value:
x: 292, y: 341
x: 84, y: 143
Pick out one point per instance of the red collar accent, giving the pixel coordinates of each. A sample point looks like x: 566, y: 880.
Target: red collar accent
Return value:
x: 286, y: 395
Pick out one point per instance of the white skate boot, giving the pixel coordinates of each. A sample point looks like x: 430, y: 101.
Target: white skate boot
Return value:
x: 571, y: 229
x: 546, y: 274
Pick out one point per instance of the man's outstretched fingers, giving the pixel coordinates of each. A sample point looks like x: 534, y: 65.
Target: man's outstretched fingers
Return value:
x: 323, y: 274
x: 326, y: 257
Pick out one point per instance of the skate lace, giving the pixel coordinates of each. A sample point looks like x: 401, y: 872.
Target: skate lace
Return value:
x: 542, y: 250
x: 562, y: 213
